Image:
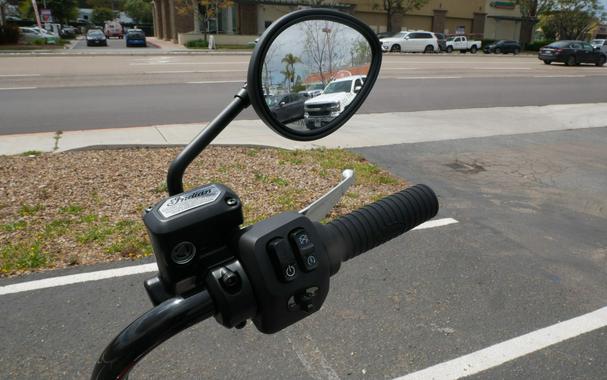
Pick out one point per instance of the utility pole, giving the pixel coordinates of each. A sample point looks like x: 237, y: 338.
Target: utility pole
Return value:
x: 35, y: 6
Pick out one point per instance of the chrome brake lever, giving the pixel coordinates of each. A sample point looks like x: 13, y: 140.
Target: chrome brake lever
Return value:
x: 319, y: 209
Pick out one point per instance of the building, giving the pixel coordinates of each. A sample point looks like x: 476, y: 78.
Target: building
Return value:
x: 484, y: 18
x: 503, y: 20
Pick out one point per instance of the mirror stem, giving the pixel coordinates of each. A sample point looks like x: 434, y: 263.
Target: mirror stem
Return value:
x: 204, y: 138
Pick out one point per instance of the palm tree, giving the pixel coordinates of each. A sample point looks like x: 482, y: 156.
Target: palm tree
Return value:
x: 289, y: 60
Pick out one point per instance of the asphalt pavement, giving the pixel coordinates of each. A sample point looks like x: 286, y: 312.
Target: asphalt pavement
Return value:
x: 528, y: 251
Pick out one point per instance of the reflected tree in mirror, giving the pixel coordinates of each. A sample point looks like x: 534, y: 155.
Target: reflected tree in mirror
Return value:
x: 312, y: 71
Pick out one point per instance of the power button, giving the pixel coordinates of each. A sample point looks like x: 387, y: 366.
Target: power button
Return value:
x: 282, y: 259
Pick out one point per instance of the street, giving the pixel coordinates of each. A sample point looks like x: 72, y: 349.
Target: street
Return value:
x: 525, y: 248
x: 127, y: 91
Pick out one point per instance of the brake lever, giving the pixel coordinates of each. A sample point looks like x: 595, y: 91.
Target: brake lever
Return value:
x: 321, y: 207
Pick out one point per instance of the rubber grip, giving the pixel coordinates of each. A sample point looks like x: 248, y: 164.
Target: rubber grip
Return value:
x: 352, y: 234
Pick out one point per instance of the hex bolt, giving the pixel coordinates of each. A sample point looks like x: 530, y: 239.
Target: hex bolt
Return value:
x: 230, y: 281
x: 231, y: 202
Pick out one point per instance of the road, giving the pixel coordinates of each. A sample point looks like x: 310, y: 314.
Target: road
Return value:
x: 102, y: 92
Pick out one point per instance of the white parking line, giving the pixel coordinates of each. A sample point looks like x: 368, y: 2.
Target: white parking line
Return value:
x: 502, y: 68
x: 501, y: 353
x: 130, y: 270
x: 18, y: 75
x: 560, y: 76
x: 17, y: 88
x: 163, y: 63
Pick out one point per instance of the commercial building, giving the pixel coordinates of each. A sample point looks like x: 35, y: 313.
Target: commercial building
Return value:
x: 248, y: 18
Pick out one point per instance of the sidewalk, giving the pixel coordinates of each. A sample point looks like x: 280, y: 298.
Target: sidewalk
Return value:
x: 166, y: 45
x: 362, y: 130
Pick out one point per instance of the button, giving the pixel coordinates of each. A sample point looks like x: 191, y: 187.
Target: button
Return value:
x: 304, y: 249
x: 283, y: 259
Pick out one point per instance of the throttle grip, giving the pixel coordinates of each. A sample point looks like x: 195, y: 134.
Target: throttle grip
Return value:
x: 361, y: 230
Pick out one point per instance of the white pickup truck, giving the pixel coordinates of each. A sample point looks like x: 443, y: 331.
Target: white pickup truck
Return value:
x: 338, y: 94
x: 463, y: 44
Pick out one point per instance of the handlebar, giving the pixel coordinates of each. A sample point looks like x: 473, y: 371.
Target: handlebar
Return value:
x: 361, y: 230
x: 150, y: 330
x: 231, y: 285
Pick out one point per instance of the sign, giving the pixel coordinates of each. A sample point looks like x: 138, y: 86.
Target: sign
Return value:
x: 46, y: 16
x: 502, y: 4
x: 460, y: 30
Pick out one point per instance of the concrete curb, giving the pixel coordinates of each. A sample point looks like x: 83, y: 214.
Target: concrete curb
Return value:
x: 363, y: 130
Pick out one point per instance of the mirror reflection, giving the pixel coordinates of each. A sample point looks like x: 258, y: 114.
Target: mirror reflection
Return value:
x: 312, y: 71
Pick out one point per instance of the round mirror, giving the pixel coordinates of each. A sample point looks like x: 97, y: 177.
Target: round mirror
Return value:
x: 311, y: 71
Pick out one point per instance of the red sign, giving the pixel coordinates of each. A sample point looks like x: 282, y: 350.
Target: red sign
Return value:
x: 46, y: 16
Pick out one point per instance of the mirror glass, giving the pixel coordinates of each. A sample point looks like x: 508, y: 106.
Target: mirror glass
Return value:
x: 312, y: 71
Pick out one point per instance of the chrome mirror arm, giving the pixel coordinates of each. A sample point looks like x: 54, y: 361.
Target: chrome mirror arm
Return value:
x: 319, y: 209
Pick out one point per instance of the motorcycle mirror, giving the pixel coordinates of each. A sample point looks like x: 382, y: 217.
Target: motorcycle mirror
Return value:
x: 311, y: 71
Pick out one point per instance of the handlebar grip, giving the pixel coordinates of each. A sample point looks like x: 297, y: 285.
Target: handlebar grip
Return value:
x: 352, y: 234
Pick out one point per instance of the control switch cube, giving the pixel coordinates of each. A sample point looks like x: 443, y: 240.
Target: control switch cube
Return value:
x: 283, y: 259
x: 304, y: 249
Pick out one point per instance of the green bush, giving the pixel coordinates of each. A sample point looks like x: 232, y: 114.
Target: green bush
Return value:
x: 9, y: 34
x: 197, y: 44
x: 536, y: 45
x: 39, y: 42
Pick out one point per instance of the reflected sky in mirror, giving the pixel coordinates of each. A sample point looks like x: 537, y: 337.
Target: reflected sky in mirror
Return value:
x: 312, y: 71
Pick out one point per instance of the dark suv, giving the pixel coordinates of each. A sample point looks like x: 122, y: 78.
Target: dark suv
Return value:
x: 571, y: 53
x: 503, y: 47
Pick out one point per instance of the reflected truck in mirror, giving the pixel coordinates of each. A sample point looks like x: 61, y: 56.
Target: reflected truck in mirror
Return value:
x: 287, y: 108
x: 336, y: 97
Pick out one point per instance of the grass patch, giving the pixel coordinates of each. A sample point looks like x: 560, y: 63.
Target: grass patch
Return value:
x: 31, y: 153
x: 56, y: 228
x: 72, y: 209
x: 14, y: 226
x: 28, y: 210
x: 21, y: 256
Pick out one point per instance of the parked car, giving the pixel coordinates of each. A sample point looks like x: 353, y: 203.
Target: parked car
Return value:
x: 338, y: 94
x: 95, y: 37
x: 135, y: 37
x: 503, y: 47
x: 442, y: 41
x: 313, y: 90
x: 414, y: 42
x: 31, y: 34
x: 599, y: 44
x: 571, y: 53
x: 113, y: 29
x: 463, y: 44
x: 287, y: 108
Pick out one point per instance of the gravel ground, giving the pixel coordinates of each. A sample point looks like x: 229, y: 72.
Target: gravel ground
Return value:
x: 83, y: 207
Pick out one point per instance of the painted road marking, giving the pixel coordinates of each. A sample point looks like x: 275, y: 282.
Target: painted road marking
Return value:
x: 501, y: 353
x: 437, y: 77
x: 17, y: 88
x: 502, y: 68
x: 163, y: 63
x: 130, y: 270
x: 18, y: 75
x: 560, y: 76
x: 194, y: 71
x: 217, y: 81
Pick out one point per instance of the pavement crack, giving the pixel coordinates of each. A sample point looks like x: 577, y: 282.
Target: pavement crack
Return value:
x: 160, y: 133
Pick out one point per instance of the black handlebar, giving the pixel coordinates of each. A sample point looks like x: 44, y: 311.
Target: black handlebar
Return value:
x: 374, y: 224
x: 150, y: 330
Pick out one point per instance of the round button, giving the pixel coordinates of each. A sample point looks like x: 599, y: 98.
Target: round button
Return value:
x: 311, y: 260
x: 183, y: 252
x: 290, y: 271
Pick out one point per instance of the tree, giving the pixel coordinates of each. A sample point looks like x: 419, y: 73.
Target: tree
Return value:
x: 114, y: 5
x: 139, y: 10
x: 101, y: 15
x: 402, y: 7
x: 62, y: 10
x: 290, y: 61
x: 571, y: 19
x: 202, y: 10
x: 531, y: 11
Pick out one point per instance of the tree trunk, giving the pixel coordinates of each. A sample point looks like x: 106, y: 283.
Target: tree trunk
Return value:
x: 388, y: 20
x: 196, y: 18
x: 527, y: 26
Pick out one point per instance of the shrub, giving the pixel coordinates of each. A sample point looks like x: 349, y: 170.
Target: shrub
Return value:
x: 9, y: 34
x: 197, y: 44
x: 536, y: 45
